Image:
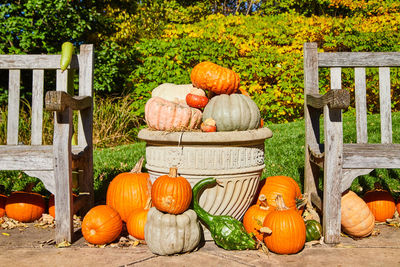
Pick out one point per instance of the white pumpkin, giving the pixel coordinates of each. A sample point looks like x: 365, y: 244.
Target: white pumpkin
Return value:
x: 167, y: 234
x: 172, y: 92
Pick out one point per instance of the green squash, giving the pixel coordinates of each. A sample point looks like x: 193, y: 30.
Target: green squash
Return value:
x: 233, y: 112
x: 313, y: 230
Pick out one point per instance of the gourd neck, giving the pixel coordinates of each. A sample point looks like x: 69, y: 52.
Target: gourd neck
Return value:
x: 206, y: 217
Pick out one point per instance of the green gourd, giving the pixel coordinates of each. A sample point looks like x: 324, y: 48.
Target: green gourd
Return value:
x: 235, y: 112
x: 67, y: 49
x: 313, y: 230
x: 226, y: 231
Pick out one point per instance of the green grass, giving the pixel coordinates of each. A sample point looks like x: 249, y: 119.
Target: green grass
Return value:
x: 284, y: 155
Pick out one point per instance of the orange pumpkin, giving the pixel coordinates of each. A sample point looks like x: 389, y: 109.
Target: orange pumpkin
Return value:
x: 357, y: 218
x: 129, y: 191
x: 164, y: 115
x: 25, y: 206
x: 171, y: 193
x: 381, y: 203
x: 101, y: 225
x: 136, y: 223
x: 285, y: 186
x: 3, y: 200
x: 52, y: 208
x: 254, y: 217
x: 210, y: 76
x: 196, y: 98
x: 288, y: 229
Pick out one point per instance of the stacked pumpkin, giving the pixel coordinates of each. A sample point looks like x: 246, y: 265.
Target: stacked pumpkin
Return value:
x: 178, y: 107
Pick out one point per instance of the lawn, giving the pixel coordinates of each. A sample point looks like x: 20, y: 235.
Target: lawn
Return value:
x: 284, y: 155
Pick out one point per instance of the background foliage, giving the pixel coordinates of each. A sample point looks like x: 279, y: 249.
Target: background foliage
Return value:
x: 141, y: 44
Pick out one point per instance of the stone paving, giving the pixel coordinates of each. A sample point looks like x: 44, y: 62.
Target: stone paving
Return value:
x: 25, y: 248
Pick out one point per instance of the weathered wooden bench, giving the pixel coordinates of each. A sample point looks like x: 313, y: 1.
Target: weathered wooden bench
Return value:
x: 52, y: 164
x: 342, y: 163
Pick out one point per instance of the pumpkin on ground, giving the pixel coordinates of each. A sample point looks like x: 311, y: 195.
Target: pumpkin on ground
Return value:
x: 137, y: 221
x: 167, y: 234
x: 52, y: 207
x: 171, y: 193
x: 3, y: 200
x: 313, y: 230
x: 357, y: 219
x: 25, y: 206
x: 288, y: 229
x: 129, y: 191
x: 172, y: 92
x: 101, y: 225
x: 381, y: 203
x: 254, y: 217
x: 210, y: 76
x: 234, y: 112
x: 285, y: 186
x: 164, y: 115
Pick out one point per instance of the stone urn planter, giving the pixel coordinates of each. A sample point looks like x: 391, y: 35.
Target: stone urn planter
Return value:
x: 235, y: 158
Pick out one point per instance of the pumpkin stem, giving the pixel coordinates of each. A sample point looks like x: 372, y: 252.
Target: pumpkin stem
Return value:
x: 148, y: 204
x: 173, y: 172
x: 138, y: 166
x: 280, y: 203
x: 264, y: 203
x: 265, y: 230
x: 378, y: 186
x: 28, y: 188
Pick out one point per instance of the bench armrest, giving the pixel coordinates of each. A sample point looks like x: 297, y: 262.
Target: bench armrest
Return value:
x: 59, y: 100
x: 335, y: 99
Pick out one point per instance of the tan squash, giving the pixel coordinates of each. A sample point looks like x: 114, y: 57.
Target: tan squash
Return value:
x: 357, y: 218
x: 164, y: 115
x: 172, y: 92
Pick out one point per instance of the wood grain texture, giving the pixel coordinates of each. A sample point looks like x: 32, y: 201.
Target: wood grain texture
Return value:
x: 59, y: 101
x: 361, y: 105
x: 14, y: 84
x: 335, y: 99
x: 37, y: 106
x: 359, y: 59
x: 385, y: 105
x: 364, y: 156
x: 34, y: 62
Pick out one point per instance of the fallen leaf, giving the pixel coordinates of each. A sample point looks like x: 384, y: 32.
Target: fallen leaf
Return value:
x: 63, y: 244
x: 6, y: 234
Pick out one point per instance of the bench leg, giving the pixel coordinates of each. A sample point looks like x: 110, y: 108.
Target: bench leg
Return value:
x: 332, y: 175
x: 63, y: 175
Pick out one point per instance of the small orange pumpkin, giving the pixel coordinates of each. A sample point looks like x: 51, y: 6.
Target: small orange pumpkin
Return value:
x: 196, y: 98
x: 101, y: 225
x: 288, y: 229
x: 129, y: 191
x: 381, y: 203
x: 285, y: 186
x: 136, y: 222
x: 208, y: 125
x: 171, y: 193
x: 3, y: 200
x: 52, y: 208
x: 210, y: 76
x: 25, y: 206
x: 356, y: 218
x: 254, y: 217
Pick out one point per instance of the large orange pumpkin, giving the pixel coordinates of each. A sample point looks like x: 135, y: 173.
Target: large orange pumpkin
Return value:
x: 25, y: 206
x: 381, y: 203
x: 254, y: 217
x: 129, y: 191
x: 136, y: 222
x: 3, y: 200
x: 285, y: 186
x: 357, y: 218
x: 101, y: 225
x: 210, y: 76
x: 171, y: 193
x: 288, y: 229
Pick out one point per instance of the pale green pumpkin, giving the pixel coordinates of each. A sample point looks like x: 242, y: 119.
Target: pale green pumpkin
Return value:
x: 233, y: 112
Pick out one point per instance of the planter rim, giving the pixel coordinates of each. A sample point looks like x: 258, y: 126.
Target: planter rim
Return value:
x: 205, y: 138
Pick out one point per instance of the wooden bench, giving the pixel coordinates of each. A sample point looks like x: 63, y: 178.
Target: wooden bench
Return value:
x: 342, y: 163
x: 52, y: 164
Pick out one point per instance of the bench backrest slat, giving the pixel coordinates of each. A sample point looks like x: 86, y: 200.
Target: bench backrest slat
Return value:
x: 37, y: 106
x: 14, y: 85
x: 385, y: 105
x: 361, y: 105
x: 359, y: 59
x: 34, y: 62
